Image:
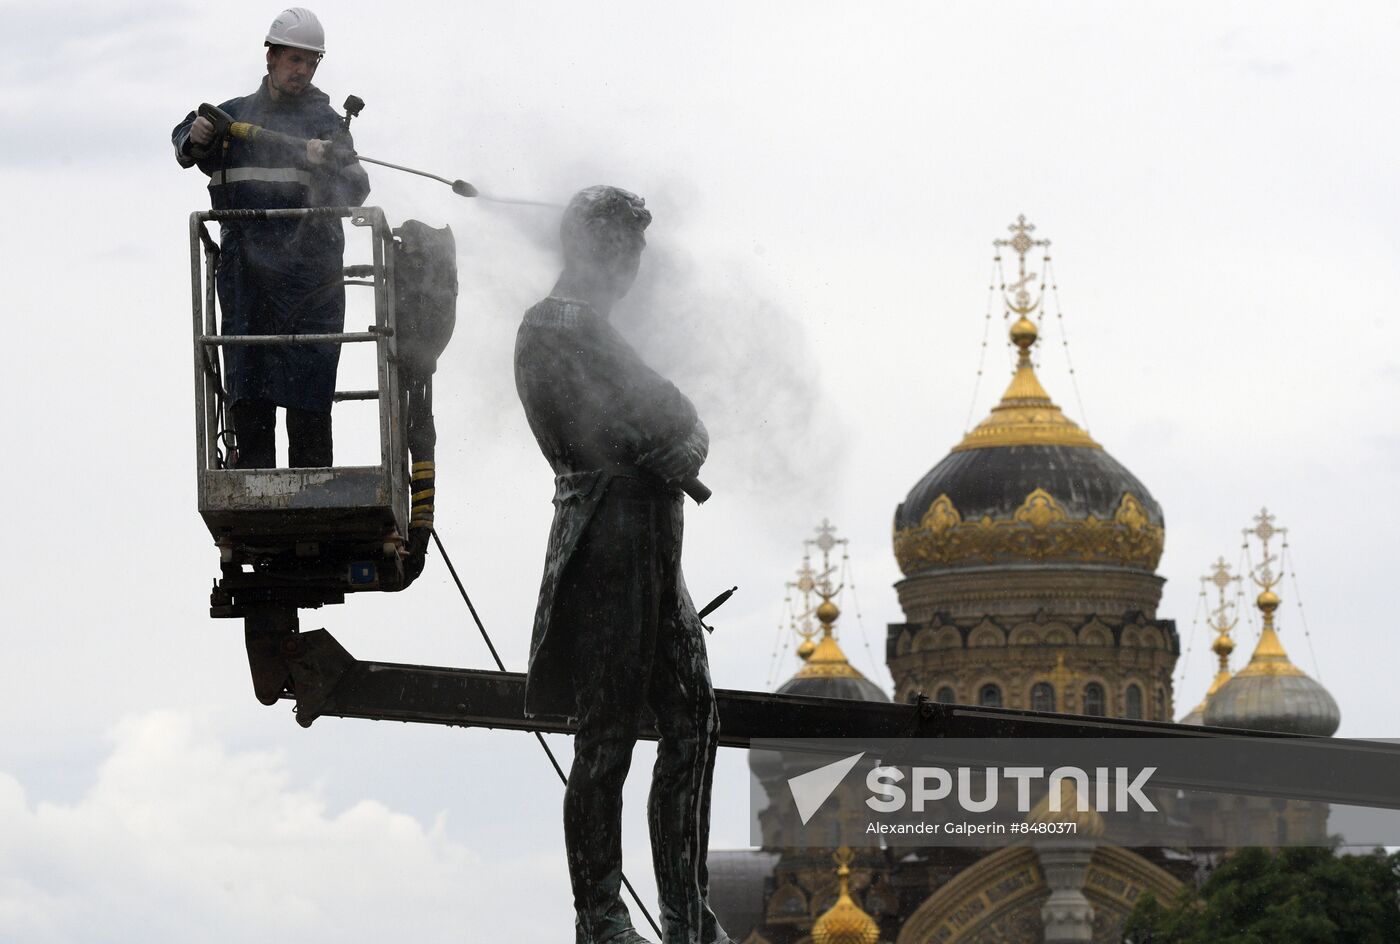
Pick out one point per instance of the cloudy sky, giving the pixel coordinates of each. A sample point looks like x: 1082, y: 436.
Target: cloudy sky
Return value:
x: 1219, y: 184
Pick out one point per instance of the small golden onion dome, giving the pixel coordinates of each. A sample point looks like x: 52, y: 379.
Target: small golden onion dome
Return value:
x: 1222, y: 647
x: 827, y: 673
x: 1198, y: 714
x: 845, y: 922
x: 825, y: 659
x: 1088, y: 823
x: 1026, y: 416
x: 1268, y: 601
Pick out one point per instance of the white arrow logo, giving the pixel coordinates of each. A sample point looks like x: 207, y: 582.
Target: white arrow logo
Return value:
x: 811, y: 789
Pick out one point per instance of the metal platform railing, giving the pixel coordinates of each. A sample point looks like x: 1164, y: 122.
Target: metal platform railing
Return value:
x: 365, y: 506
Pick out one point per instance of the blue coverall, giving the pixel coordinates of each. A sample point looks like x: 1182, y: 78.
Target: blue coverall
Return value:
x: 279, y: 276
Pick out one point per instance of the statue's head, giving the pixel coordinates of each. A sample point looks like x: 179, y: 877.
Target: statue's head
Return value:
x: 603, y: 237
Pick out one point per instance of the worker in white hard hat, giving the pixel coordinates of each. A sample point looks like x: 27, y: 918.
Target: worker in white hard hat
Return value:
x: 280, y: 276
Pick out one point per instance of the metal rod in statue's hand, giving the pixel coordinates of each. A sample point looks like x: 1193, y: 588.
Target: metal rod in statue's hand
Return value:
x: 717, y: 602
x: 696, y: 489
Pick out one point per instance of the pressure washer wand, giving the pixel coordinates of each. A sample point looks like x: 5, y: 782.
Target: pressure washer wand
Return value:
x: 459, y: 187
x: 225, y: 127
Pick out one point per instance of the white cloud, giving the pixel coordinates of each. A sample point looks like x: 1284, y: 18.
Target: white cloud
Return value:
x: 179, y: 839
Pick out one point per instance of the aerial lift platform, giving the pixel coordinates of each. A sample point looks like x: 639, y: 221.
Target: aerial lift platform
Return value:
x: 304, y: 537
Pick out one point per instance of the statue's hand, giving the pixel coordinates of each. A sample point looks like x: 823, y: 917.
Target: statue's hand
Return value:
x: 675, y: 461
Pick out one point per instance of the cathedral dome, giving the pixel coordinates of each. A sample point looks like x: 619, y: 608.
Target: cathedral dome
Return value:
x: 1271, y: 693
x: 1027, y: 485
x: 835, y: 678
x: 845, y: 922
x: 827, y: 673
x: 1293, y: 704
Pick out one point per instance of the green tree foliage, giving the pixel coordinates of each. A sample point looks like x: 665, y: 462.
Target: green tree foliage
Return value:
x: 1298, y: 896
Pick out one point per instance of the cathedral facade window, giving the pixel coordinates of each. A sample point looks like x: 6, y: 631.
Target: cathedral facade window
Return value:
x: 1133, y: 706
x: 1094, y: 700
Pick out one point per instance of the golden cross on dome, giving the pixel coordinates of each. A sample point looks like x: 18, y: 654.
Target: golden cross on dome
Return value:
x: 1223, y: 618
x: 806, y: 579
x: 1264, y: 525
x: 1265, y: 530
x: 805, y: 584
x: 1018, y: 297
x: 1266, y: 578
x: 826, y: 541
x: 1022, y: 241
x: 1221, y: 575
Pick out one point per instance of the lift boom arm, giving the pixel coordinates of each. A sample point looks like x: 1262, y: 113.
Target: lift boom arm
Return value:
x: 326, y: 680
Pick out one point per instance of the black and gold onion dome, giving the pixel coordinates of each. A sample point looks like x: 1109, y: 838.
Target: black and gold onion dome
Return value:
x: 1027, y: 486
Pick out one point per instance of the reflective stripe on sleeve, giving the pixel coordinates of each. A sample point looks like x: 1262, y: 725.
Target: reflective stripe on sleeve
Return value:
x: 270, y: 175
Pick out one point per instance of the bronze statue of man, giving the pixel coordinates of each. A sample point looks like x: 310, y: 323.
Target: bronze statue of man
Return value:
x: 615, y: 630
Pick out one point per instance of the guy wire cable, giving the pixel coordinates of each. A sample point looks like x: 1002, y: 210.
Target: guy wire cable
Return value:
x: 995, y: 277
x: 563, y: 778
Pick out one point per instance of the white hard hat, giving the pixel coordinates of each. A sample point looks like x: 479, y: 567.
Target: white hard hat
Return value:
x: 297, y: 27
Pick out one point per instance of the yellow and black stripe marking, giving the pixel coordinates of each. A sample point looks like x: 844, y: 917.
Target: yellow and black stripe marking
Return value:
x: 423, y: 490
